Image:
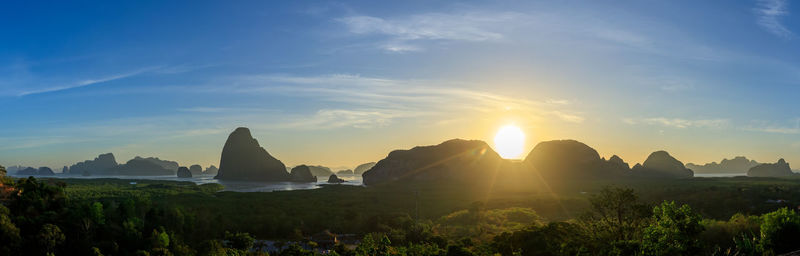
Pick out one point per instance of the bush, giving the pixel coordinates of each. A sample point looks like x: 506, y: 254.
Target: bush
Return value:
x: 780, y: 230
x: 674, y: 231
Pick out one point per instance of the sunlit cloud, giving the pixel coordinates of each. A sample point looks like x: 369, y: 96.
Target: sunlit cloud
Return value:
x: 430, y: 97
x: 339, y: 118
x: 558, y: 101
x: 769, y: 14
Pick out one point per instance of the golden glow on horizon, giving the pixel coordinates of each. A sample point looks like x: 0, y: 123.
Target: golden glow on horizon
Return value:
x: 509, y: 142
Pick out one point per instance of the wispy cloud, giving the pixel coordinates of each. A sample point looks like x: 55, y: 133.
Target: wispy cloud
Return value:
x: 402, y: 33
x: 17, y: 143
x: 380, y: 99
x: 84, y: 83
x: 771, y: 127
x: 338, y: 118
x: 679, y: 122
x: 223, y: 110
x: 769, y: 14
x: 752, y: 126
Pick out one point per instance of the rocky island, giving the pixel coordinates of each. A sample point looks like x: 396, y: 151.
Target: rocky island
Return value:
x: 778, y: 169
x: 660, y: 164
x: 244, y: 159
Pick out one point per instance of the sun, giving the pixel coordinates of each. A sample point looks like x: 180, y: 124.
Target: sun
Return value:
x: 509, y: 142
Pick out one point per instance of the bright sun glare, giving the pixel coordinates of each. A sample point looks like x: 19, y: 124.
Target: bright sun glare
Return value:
x: 509, y: 141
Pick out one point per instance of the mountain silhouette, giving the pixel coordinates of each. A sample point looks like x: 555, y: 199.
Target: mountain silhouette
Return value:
x: 244, y: 159
x: 196, y: 169
x: 778, y: 169
x: 360, y: 169
x: 184, y: 172
x: 660, y: 164
x: 738, y: 164
x: 100, y: 165
x: 166, y: 164
x: 211, y: 170
x: 572, y: 159
x: 335, y: 179
x: 450, y: 160
x: 30, y: 171
x: 345, y: 172
x: 302, y: 173
x: 139, y: 167
x: 320, y: 171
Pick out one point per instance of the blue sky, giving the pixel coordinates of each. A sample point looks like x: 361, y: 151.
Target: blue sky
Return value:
x: 341, y: 83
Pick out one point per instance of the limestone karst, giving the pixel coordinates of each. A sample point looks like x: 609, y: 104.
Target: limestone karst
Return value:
x: 184, y: 172
x: 244, y: 159
x: 450, y: 160
x: 661, y: 164
x: 778, y: 169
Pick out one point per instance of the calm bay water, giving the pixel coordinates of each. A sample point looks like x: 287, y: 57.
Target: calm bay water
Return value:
x: 237, y: 186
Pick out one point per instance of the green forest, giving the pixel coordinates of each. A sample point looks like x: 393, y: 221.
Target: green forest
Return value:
x: 697, y: 216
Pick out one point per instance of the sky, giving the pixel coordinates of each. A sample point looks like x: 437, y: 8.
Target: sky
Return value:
x: 340, y: 83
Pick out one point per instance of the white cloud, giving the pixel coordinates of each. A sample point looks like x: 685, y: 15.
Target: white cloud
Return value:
x: 623, y: 37
x: 770, y: 127
x: 557, y: 101
x: 83, y: 83
x: 769, y: 14
x: 679, y: 122
x: 396, y: 98
x: 403, y: 31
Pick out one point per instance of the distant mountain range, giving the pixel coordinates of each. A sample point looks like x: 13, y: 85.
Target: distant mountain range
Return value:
x: 473, y: 160
x: 244, y: 159
x: 738, y: 164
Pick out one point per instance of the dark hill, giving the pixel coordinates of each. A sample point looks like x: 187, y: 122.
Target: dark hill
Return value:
x: 572, y: 159
x: 345, y: 172
x: 30, y: 171
x: 302, y: 173
x: 100, y: 165
x: 738, y: 164
x: 244, y: 159
x: 660, y: 164
x: 362, y: 168
x: 196, y: 169
x: 451, y: 160
x: 166, y: 164
x: 139, y: 167
x: 779, y: 169
x: 320, y: 171
x: 211, y: 170
x: 335, y: 179
x: 184, y: 172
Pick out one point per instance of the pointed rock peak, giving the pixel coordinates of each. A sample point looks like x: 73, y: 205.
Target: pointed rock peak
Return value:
x: 781, y: 161
x: 660, y: 154
x: 243, y: 131
x: 244, y: 159
x: 616, y: 159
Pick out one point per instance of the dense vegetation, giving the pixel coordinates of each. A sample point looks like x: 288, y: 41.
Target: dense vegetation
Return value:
x: 701, y: 216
